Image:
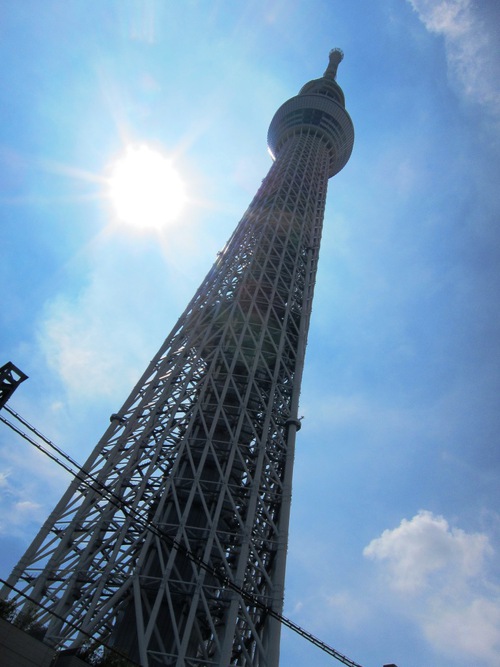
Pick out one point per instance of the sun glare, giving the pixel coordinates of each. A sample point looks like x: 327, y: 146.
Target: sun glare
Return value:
x: 145, y: 189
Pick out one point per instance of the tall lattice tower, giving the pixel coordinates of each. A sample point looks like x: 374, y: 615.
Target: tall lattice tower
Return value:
x: 171, y: 545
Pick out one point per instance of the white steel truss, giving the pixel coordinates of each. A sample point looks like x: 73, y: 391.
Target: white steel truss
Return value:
x: 185, y: 500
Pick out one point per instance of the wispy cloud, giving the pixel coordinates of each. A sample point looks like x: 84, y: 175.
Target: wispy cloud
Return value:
x: 90, y: 341
x: 25, y: 477
x: 439, y: 573
x: 471, y: 47
x: 80, y: 347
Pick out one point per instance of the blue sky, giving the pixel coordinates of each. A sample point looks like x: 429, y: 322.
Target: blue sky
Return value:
x: 395, y: 528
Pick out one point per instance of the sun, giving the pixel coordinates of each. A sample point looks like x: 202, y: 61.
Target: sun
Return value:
x: 145, y: 189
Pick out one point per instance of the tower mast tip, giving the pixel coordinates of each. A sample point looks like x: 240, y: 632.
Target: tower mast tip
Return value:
x: 335, y: 58
x: 337, y: 55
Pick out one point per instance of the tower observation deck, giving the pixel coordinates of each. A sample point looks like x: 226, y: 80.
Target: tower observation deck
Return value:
x: 171, y: 545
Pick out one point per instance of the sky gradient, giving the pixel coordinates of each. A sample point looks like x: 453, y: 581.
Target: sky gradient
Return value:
x: 395, y: 527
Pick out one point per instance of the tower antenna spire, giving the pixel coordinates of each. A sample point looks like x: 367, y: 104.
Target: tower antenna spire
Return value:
x: 335, y: 58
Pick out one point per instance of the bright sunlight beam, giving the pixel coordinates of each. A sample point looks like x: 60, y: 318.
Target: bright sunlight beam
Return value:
x: 145, y: 189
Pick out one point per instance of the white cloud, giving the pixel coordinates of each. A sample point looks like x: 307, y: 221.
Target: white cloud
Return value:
x: 26, y: 506
x: 450, y: 17
x: 77, y: 346
x: 19, y: 514
x: 91, y: 342
x: 471, y: 47
x: 472, y: 629
x: 29, y: 484
x: 439, y: 574
x: 4, y: 476
x: 424, y: 546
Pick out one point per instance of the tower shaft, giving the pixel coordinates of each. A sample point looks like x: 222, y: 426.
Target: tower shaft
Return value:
x: 185, y: 501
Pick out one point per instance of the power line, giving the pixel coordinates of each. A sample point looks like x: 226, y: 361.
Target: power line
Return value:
x: 118, y: 502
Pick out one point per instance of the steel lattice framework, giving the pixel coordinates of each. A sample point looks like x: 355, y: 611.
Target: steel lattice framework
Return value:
x: 185, y: 501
